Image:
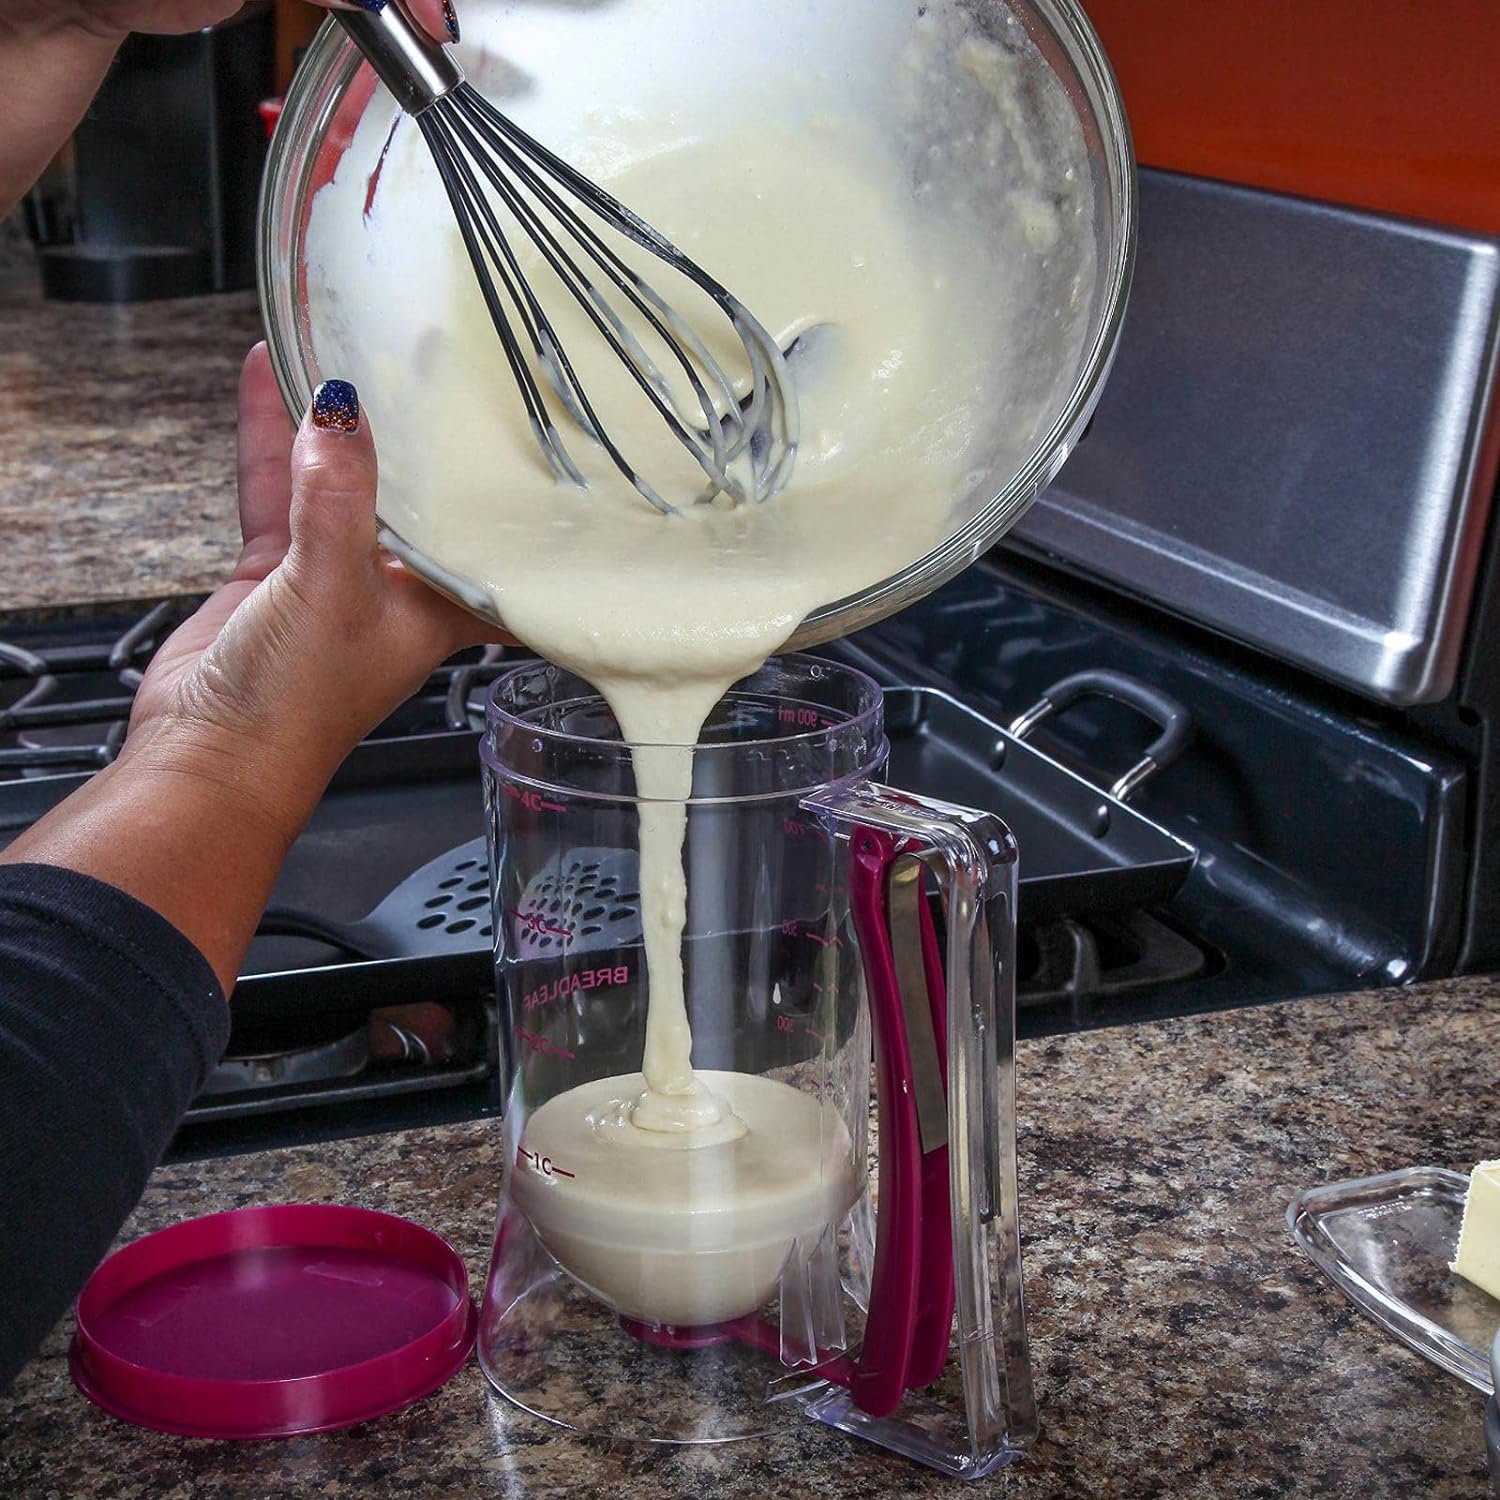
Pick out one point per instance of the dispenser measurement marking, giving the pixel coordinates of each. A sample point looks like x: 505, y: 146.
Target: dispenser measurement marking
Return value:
x: 532, y: 801
x: 543, y: 1046
x: 542, y: 1165
x: 791, y: 1025
x: 791, y: 928
x: 803, y: 718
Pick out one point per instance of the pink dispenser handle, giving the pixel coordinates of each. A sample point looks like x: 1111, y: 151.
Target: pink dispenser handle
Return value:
x: 935, y: 1292
x: 879, y: 1379
x: 947, y: 1239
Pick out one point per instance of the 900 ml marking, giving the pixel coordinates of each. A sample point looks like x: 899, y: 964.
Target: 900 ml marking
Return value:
x: 803, y: 717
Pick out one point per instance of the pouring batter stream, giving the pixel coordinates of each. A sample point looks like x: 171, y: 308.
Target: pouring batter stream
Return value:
x: 817, y: 230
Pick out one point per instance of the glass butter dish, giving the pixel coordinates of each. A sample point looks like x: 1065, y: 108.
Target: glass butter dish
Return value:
x: 1386, y: 1242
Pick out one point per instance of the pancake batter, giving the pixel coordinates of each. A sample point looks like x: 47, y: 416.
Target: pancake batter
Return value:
x: 815, y: 230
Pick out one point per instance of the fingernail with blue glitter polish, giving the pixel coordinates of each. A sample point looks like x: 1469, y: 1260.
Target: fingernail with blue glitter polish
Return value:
x: 450, y: 20
x: 335, y: 407
x: 371, y: 4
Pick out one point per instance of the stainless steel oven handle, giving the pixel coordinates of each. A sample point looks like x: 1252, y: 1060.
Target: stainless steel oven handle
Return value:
x: 1170, y: 716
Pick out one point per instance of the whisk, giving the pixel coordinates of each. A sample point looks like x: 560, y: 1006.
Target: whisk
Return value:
x: 501, y: 182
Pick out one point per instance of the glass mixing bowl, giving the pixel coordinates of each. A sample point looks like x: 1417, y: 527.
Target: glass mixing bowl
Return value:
x: 1032, y: 129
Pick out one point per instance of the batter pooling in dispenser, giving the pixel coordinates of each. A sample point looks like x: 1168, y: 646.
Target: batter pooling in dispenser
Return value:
x: 687, y: 1228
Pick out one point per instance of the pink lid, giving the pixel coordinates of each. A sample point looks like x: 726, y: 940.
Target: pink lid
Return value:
x: 271, y: 1321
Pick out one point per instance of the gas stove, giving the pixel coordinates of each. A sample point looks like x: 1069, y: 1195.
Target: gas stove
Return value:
x: 1268, y: 878
x: 1261, y: 603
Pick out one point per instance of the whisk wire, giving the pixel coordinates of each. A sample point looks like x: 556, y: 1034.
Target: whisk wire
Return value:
x: 484, y: 241
x: 716, y: 456
x: 466, y: 193
x: 469, y: 140
x: 768, y: 367
x: 764, y: 426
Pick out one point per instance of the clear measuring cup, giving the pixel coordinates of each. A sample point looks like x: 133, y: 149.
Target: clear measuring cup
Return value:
x: 713, y: 1292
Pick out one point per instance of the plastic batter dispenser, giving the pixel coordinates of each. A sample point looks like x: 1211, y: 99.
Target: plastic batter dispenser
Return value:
x: 826, y: 1248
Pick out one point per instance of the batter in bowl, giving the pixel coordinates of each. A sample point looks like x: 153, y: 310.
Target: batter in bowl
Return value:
x: 819, y: 232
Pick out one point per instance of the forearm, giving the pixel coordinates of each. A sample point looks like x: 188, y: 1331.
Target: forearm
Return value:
x: 47, y: 78
x: 109, y: 1023
x: 192, y: 827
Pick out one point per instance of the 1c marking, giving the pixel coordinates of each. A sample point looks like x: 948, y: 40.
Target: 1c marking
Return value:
x: 542, y: 1165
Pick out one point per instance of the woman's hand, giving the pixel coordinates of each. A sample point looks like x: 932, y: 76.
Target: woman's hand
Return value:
x: 318, y: 635
x: 54, y: 55
x: 250, y: 706
x: 115, y: 19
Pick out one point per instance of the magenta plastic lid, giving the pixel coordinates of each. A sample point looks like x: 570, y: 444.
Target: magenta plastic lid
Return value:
x: 266, y: 1322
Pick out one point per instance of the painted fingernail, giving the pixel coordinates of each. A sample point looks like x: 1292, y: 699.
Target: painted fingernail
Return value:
x: 335, y: 407
x: 370, y: 4
x: 450, y: 20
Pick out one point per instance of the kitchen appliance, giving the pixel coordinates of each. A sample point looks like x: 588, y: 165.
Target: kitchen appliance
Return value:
x: 1297, y: 454
x: 700, y: 1280
x: 984, y: 104
x: 1370, y: 106
x: 1342, y: 841
x: 166, y: 166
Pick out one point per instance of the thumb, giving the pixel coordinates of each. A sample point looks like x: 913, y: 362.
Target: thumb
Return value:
x: 333, y: 480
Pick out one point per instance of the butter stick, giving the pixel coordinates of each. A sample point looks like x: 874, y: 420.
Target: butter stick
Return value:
x: 1478, y: 1258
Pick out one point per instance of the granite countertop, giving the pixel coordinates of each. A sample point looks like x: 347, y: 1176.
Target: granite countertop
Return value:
x: 1182, y: 1345
x: 117, y: 445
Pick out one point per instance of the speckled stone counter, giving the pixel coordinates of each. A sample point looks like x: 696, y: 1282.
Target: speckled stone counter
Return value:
x: 117, y: 445
x: 1183, y: 1347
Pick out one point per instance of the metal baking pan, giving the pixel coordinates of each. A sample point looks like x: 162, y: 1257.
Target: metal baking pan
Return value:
x: 1297, y: 444
x: 1082, y: 849
x: 399, y: 803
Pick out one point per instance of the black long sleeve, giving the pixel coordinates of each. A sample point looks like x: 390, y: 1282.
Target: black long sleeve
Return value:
x: 110, y: 1020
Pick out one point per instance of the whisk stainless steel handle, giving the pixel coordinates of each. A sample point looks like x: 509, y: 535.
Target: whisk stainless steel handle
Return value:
x: 417, y: 71
x: 498, y: 179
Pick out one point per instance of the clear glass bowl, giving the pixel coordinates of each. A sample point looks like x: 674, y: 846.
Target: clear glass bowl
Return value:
x: 1059, y: 80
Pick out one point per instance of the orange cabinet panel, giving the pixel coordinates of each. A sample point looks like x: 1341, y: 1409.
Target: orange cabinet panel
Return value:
x: 1388, y: 104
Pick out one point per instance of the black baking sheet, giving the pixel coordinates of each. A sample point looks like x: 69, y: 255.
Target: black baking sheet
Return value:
x: 1081, y: 850
x: 398, y: 803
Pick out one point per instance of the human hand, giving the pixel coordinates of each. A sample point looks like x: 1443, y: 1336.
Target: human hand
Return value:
x: 317, y: 636
x: 54, y: 55
x: 249, y: 707
x: 112, y: 20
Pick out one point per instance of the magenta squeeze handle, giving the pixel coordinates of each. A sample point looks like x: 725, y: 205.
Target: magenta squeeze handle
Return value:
x: 879, y: 1379
x: 907, y: 1333
x: 944, y: 1024
x: 935, y: 1290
